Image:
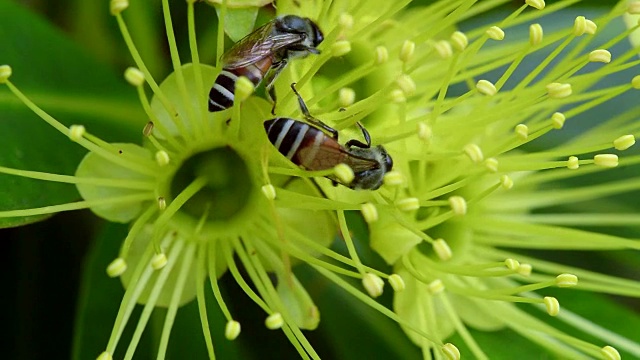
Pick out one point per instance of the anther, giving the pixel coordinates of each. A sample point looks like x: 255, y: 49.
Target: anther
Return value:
x: 344, y: 173
x: 458, y: 205
x: 105, y: 356
x: 442, y: 249
x: 600, y: 55
x: 269, y: 191
x: 232, y: 330
x: 345, y: 21
x: 382, y: 55
x: 557, y: 120
x: 346, y: 97
x: 444, y: 49
x: 244, y: 88
x: 134, y: 76
x: 535, y: 34
x: 566, y: 280
x: 407, y: 50
x: 406, y: 84
x: 396, y: 282
x: 491, y: 164
x: 118, y: 6
x: 117, y: 267
x: 162, y: 158
x: 424, y: 131
x: 635, y: 82
x: 451, y: 351
x: 397, y: 96
x: 495, y: 33
x: 559, y: 90
x: 369, y: 212
x: 408, y: 204
x: 591, y: 27
x: 148, y: 128
x: 486, y: 87
x: 394, y: 178
x: 524, y: 269
x: 5, y: 73
x: 573, y: 163
x: 606, y: 160
x: 162, y: 203
x: 435, y: 287
x: 274, y: 321
x: 373, y: 284
x: 624, y: 142
x: 340, y: 48
x: 459, y: 40
x: 76, y: 132
x: 552, y: 305
x: 158, y: 261
x: 522, y: 131
x: 538, y: 4
x: 579, y: 26
x: 474, y: 153
x: 633, y: 7
x: 610, y: 353
x: 506, y: 182
x: 512, y: 264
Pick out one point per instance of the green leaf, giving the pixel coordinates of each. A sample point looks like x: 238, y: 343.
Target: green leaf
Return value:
x: 239, y: 22
x: 69, y: 85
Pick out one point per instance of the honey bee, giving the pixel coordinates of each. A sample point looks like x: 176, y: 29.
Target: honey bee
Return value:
x: 262, y: 55
x: 313, y: 145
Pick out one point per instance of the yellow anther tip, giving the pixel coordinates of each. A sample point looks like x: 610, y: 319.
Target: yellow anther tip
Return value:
x: 579, y: 26
x: 346, y: 97
x: 536, y: 34
x: 624, y: 142
x: 512, y: 264
x: 474, y: 153
x: 394, y: 178
x: 397, y: 96
x: 600, y: 55
x: 525, y: 269
x: 610, y: 353
x: 522, y: 131
x: 506, y: 182
x: 451, y: 351
x: 566, y: 280
x: 559, y: 90
x: 552, y: 305
x: 369, y: 212
x: 459, y: 40
x: 458, y: 205
x: 158, y: 261
x: 344, y: 173
x: 232, y: 330
x: 381, y: 55
x: 491, y: 164
x: 606, y: 160
x: 274, y: 321
x: 148, y: 128
x: 345, y: 21
x: 486, y: 87
x: 269, y: 191
x: 105, y: 355
x: 495, y: 33
x: 118, y: 6
x: 76, y: 132
x: 408, y: 204
x: 573, y: 163
x: 406, y: 84
x: 397, y: 282
x: 538, y: 4
x: 5, y: 73
x: 557, y: 120
x: 633, y: 7
x: 444, y: 49
x: 435, y: 287
x: 134, y: 76
x: 340, y: 48
x: 407, y: 50
x: 162, y: 158
x: 162, y: 203
x: 373, y: 284
x: 116, y: 268
x: 442, y: 249
x: 635, y: 82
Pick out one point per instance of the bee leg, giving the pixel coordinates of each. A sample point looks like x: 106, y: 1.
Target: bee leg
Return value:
x: 311, y: 119
x: 270, y: 77
x: 358, y: 143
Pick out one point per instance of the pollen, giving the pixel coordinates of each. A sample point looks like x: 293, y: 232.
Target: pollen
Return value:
x: 397, y: 282
x: 345, y: 21
x: 566, y: 280
x: 474, y: 153
x: 522, y: 131
x: 495, y: 33
x: 506, y: 182
x: 442, y: 249
x: 610, y: 353
x: 573, y: 163
x: 373, y: 284
x: 512, y: 264
x: 346, y: 97
x: 552, y: 305
x: 606, y: 160
x: 458, y: 205
x: 397, y: 96
x: 244, y: 88
x: 5, y: 73
x: 535, y: 34
x: 424, y: 131
x: 559, y: 90
x: 148, y: 129
x: 369, y: 212
x: 105, y: 356
x: 394, y: 178
x: 635, y: 82
x: 406, y: 84
x: 158, y: 261
x: 162, y: 158
x: 408, y: 204
x: 624, y: 142
x: 485, y: 87
x: 117, y: 267
x: 444, y: 49
x: 459, y: 40
x: 407, y: 50
x: 340, y: 48
x: 451, y: 351
x: 269, y: 191
x: 435, y: 287
x: 381, y: 55
x: 524, y: 269
x: 491, y: 164
x: 118, y: 6
x: 134, y: 76
x: 600, y: 55
x: 538, y: 4
x: 579, y: 26
x: 274, y: 321
x: 344, y: 173
x: 162, y: 203
x: 557, y: 120
x: 76, y: 132
x: 232, y: 330
x: 633, y: 8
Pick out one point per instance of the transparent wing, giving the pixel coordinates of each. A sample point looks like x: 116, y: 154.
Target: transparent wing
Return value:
x: 256, y: 46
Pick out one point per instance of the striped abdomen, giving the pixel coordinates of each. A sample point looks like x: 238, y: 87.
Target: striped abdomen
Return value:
x: 221, y: 94
x: 304, y: 144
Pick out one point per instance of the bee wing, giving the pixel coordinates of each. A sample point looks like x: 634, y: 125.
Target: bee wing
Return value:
x: 329, y: 154
x: 358, y: 164
x: 256, y: 46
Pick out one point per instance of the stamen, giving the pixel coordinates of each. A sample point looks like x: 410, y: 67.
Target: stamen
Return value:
x: 600, y: 55
x: 373, y: 284
x: 5, y: 73
x: 486, y: 88
x: 148, y: 129
x: 512, y: 264
x: 105, y: 355
x: 458, y: 205
x: 346, y: 97
x: 610, y: 352
x: 522, y: 131
x: 557, y: 120
x: 591, y: 27
x: 573, y: 163
x: 76, y: 132
x: 459, y: 40
x: 559, y: 90
x: 451, y: 351
x: 381, y: 55
x: 269, y: 191
x: 506, y: 182
x: 408, y: 204
x: 633, y: 7
x: 535, y: 34
x: 134, y: 76
x: 606, y: 160
x: 435, y: 287
x: 579, y: 26
x: 442, y: 249
x: 397, y: 283
x: 397, y: 96
x: 340, y: 48
x: 162, y: 158
x: 345, y: 21
x: 118, y: 6
x: 491, y: 164
x: 274, y: 321
x: 474, y: 153
x: 406, y: 84
x: 525, y: 269
x: 162, y: 203
x: 369, y: 212
x: 117, y: 267
x: 552, y: 305
x: 394, y: 178
x: 624, y: 142
x: 159, y: 261
x: 566, y: 280
x: 407, y: 50
x: 495, y: 33
x: 232, y: 330
x: 635, y: 82
x: 344, y: 173
x: 538, y: 4
x: 424, y: 131
x: 444, y: 49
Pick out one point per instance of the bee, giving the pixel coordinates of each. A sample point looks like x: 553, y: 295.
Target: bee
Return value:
x: 313, y: 145
x: 262, y: 55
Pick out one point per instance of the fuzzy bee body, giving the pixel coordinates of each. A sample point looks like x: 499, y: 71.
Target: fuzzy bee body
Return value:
x: 262, y: 55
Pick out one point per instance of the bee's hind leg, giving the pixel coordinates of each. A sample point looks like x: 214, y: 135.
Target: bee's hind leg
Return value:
x: 358, y: 143
x: 311, y: 119
x: 270, y: 78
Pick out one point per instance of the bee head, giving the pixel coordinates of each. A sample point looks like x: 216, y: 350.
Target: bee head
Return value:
x: 300, y: 25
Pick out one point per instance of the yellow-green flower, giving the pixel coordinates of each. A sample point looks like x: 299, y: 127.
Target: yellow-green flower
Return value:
x: 473, y: 196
